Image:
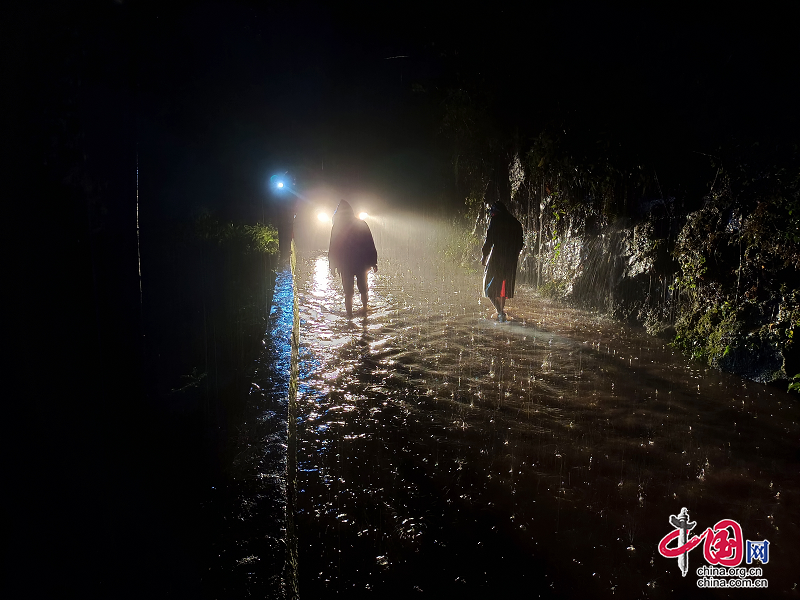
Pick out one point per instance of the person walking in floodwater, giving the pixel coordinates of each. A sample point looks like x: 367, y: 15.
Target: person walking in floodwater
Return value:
x: 500, y: 253
x: 352, y: 252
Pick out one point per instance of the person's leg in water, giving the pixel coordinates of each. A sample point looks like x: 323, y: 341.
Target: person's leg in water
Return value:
x: 500, y: 303
x: 347, y: 285
x: 489, y: 292
x: 363, y: 288
x: 501, y: 313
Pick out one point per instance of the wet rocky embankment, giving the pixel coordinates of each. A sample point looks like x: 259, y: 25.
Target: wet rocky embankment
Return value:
x: 720, y: 282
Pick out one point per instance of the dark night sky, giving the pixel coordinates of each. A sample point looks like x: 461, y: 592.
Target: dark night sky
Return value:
x: 246, y: 90
x: 226, y: 92
x: 230, y: 91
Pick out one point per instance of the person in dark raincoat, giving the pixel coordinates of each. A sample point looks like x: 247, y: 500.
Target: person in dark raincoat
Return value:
x: 500, y: 253
x: 352, y: 252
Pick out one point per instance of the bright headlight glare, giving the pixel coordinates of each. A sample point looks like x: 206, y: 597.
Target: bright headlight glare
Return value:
x: 362, y: 216
x: 323, y: 217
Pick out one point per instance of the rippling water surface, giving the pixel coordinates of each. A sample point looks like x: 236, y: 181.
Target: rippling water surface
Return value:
x: 442, y: 452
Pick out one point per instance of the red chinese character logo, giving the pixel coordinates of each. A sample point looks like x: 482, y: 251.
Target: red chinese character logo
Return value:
x: 724, y: 544
x: 722, y: 548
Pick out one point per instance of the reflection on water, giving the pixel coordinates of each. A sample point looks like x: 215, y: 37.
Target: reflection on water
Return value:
x: 442, y: 452
x: 322, y: 280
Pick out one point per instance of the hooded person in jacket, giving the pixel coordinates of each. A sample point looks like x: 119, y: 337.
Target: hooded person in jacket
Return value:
x: 352, y: 253
x: 500, y: 253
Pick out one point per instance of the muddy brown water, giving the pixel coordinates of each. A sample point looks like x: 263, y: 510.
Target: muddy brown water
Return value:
x: 441, y: 452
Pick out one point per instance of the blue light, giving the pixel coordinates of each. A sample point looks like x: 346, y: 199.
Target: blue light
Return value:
x: 280, y: 182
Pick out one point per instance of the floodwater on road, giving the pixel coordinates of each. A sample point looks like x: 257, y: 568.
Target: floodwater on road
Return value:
x: 441, y: 452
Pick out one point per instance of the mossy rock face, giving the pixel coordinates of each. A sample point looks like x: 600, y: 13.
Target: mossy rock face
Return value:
x: 757, y: 360
x: 737, y: 311
x: 657, y: 323
x: 708, y: 328
x: 554, y: 289
x: 754, y: 340
x: 764, y: 354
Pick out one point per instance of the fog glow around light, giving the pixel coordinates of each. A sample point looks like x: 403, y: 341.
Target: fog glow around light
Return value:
x: 362, y: 216
x: 323, y: 217
x: 280, y: 184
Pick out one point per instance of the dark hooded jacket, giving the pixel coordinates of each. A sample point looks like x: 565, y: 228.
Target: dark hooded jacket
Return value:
x: 352, y: 249
x: 503, y: 244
